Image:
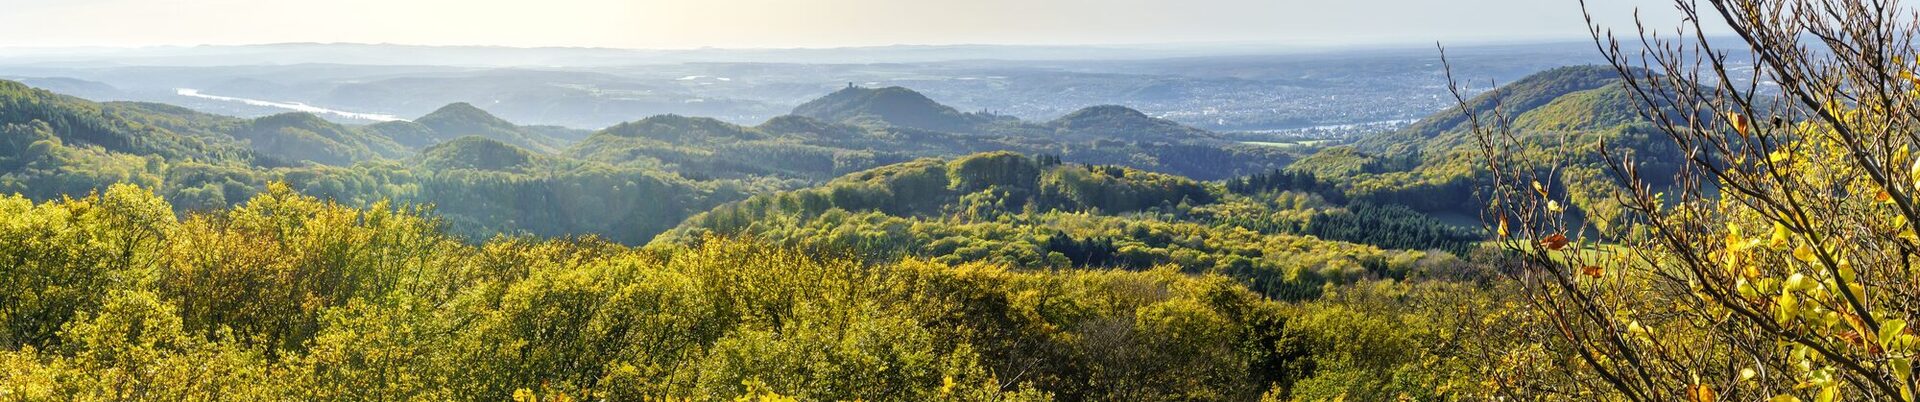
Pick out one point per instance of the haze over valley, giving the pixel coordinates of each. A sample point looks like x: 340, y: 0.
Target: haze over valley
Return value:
x: 1214, y: 88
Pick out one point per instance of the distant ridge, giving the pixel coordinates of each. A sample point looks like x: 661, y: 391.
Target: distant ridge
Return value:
x: 890, y: 106
x: 1124, y: 123
x: 902, y: 108
x: 678, y: 129
x: 1514, y: 99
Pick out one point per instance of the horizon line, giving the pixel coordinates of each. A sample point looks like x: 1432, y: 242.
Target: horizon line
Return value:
x: 1275, y: 45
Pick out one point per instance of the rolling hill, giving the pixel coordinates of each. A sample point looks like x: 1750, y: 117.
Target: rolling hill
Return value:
x: 1514, y: 99
x: 858, y: 128
x: 1122, y: 123
x: 463, y: 119
x: 1040, y: 212
x: 171, y: 133
x: 304, y: 137
x: 891, y: 107
x: 477, y: 153
x: 1434, y: 165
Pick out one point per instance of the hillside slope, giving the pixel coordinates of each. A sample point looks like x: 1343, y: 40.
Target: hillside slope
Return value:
x: 463, y: 119
x: 1435, y: 164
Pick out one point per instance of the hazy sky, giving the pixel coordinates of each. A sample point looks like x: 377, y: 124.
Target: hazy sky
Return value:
x: 797, y: 23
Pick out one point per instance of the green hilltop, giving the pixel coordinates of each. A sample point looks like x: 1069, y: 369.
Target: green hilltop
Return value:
x: 891, y: 107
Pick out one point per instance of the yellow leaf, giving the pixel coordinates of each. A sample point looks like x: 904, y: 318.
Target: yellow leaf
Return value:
x: 1890, y: 329
x: 1702, y: 393
x: 1503, y: 226
x: 1746, y: 288
x: 1804, y: 253
x: 1780, y: 236
x: 1798, y: 282
x: 1915, y: 172
x: 1554, y: 206
x: 1785, y: 308
x: 1543, y: 189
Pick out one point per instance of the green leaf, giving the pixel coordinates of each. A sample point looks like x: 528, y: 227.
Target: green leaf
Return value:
x: 1891, y: 329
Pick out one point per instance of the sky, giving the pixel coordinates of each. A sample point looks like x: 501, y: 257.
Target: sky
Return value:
x: 680, y: 24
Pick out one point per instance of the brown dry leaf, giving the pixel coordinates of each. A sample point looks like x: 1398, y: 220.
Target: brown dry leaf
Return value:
x: 1554, y: 242
x: 1739, y: 123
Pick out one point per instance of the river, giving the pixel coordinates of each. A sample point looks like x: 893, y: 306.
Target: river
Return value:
x: 293, y: 106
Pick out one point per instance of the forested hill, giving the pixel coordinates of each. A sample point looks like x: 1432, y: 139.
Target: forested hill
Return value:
x: 172, y: 133
x: 1285, y: 235
x: 859, y: 128
x: 899, y: 107
x: 1123, y: 123
x: 894, y: 107
x: 463, y: 119
x: 54, y: 146
x: 288, y: 139
x: 1514, y: 99
x: 304, y: 137
x: 1434, y: 165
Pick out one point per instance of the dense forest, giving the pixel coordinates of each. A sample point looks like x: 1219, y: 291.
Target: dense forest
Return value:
x: 1042, y: 213
x: 112, y: 296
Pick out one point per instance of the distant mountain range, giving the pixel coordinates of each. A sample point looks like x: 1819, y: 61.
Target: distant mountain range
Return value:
x: 1216, y: 88
x: 904, y: 108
